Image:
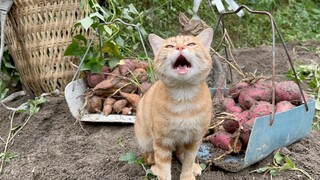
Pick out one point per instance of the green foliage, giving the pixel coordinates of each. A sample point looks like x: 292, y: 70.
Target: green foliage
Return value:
x: 9, y: 77
x: 280, y: 163
x: 8, y: 156
x: 310, y: 75
x: 115, y: 41
x: 131, y: 158
x: 298, y: 20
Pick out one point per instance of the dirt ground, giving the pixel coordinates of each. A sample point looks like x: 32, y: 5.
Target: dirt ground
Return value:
x: 53, y: 146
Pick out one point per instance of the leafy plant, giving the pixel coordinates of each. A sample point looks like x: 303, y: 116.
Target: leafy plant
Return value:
x: 9, y: 77
x: 31, y: 107
x: 116, y: 41
x: 280, y: 163
x: 310, y: 75
x: 131, y: 158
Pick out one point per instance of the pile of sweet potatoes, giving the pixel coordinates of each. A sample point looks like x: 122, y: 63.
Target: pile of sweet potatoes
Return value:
x: 117, y: 91
x: 244, y: 102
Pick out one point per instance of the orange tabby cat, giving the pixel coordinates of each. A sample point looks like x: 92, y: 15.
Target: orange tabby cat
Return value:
x: 176, y: 111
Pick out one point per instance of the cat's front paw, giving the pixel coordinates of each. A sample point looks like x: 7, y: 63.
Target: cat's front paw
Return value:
x: 162, y: 175
x: 187, y: 177
x: 196, y: 169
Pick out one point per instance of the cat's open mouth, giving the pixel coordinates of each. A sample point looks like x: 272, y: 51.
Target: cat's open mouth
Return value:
x: 182, y: 65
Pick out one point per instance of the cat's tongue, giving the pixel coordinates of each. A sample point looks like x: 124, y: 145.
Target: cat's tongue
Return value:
x: 182, y: 69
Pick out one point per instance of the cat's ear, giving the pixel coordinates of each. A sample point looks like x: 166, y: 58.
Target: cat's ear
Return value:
x: 155, y: 42
x: 205, y: 37
x: 183, y: 19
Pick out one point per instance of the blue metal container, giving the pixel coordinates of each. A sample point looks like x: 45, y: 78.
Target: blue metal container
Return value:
x: 288, y: 127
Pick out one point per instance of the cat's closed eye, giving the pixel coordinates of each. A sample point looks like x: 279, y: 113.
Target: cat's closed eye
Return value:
x: 191, y: 44
x: 169, y: 46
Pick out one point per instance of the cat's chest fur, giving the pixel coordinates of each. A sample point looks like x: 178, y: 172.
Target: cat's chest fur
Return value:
x: 183, y: 115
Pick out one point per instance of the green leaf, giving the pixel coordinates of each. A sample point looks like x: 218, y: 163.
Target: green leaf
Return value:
x: 278, y: 158
x: 86, y: 22
x: 81, y: 38
x: 113, y: 63
x: 22, y: 108
x: 96, y: 14
x: 274, y: 172
x: 290, y: 162
x: 72, y: 49
x: 133, y: 9
x: 261, y: 170
x: 285, y: 166
x: 129, y: 157
x: 108, y: 30
x: 202, y: 166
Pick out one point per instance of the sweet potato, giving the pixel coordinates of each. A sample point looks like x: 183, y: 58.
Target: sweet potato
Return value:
x: 230, y: 125
x: 242, y: 117
x: 105, y: 70
x: 145, y: 86
x: 284, y: 106
x: 228, y: 103
x: 264, y: 82
x: 253, y: 93
x: 246, y: 131
x: 109, y: 101
x: 115, y: 72
x: 132, y: 98
x: 126, y: 111
x: 119, y: 105
x: 234, y: 109
x: 225, y: 141
x: 288, y: 91
x: 140, y: 74
x: 141, y: 64
x: 94, y: 79
x: 235, y: 89
x: 260, y: 108
x: 107, y: 109
x: 107, y: 83
x: 125, y: 86
x: 94, y: 104
x: 126, y: 66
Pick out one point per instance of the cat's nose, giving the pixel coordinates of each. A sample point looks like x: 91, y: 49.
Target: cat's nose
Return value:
x: 180, y: 48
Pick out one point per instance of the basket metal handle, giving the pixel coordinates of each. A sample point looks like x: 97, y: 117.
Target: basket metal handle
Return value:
x: 273, y: 27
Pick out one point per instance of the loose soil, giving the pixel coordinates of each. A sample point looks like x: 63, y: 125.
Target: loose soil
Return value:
x: 54, y: 146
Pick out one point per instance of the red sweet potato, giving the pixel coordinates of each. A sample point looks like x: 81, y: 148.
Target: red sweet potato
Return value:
x: 141, y: 64
x: 145, y: 86
x: 234, y: 109
x: 119, y: 105
x: 107, y: 109
x: 107, y: 83
x: 230, y: 125
x: 126, y: 111
x: 105, y: 70
x: 253, y: 93
x: 140, y: 74
x: 235, y: 89
x: 284, y: 106
x: 288, y: 91
x: 260, y: 108
x: 264, y: 82
x: 225, y: 141
x: 228, y: 103
x: 94, y: 104
x: 246, y: 131
x: 94, y: 79
x: 132, y: 98
x: 126, y: 66
x: 109, y: 101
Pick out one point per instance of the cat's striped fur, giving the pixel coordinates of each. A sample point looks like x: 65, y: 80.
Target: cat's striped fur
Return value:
x: 176, y: 111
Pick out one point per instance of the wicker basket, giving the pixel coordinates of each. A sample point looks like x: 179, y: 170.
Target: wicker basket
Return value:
x: 37, y: 34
